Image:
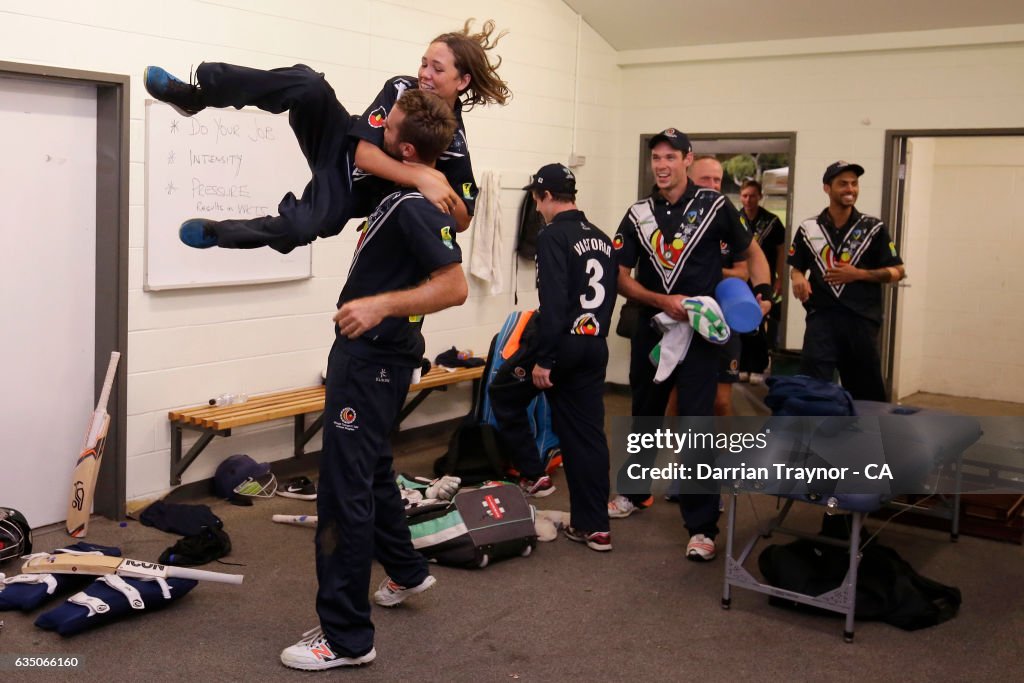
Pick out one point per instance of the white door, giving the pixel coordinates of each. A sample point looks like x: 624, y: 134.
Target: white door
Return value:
x: 47, y: 281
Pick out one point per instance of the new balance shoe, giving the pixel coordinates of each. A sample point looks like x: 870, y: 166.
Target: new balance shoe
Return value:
x: 390, y: 593
x: 537, y: 488
x: 198, y: 233
x: 187, y: 99
x: 314, y: 653
x: 621, y: 507
x: 300, y: 487
x: 600, y: 541
x: 700, y: 548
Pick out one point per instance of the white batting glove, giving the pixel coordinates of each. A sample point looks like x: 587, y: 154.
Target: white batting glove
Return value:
x: 444, y: 488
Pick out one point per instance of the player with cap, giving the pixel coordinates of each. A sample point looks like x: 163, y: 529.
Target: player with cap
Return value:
x: 565, y: 355
x: 673, y: 240
x: 847, y: 256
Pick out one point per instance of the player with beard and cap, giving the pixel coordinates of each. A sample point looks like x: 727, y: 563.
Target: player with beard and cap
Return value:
x: 565, y: 355
x: 673, y: 240
x: 350, y: 171
x: 840, y: 259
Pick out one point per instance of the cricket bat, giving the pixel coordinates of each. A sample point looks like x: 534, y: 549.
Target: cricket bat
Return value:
x: 87, y: 466
x: 99, y: 565
x: 300, y: 520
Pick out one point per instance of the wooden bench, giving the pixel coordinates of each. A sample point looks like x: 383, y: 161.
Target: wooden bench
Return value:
x: 211, y: 421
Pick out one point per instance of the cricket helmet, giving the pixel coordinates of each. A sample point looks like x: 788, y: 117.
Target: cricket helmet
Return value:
x: 15, y: 534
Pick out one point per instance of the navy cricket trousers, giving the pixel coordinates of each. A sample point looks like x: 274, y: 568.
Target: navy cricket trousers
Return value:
x: 577, y: 416
x: 839, y: 339
x: 361, y: 513
x: 321, y: 126
x: 696, y: 380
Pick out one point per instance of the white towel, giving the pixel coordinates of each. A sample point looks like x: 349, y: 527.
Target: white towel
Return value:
x: 486, y: 260
x: 704, y: 315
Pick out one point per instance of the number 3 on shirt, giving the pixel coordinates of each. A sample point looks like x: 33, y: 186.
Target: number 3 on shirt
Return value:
x: 596, y: 272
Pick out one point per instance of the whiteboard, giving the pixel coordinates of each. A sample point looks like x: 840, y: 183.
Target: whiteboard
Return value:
x: 219, y: 164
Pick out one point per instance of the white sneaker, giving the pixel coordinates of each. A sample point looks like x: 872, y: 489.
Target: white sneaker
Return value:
x: 756, y: 378
x: 621, y: 507
x: 313, y: 653
x: 744, y: 377
x: 391, y: 594
x: 700, y: 548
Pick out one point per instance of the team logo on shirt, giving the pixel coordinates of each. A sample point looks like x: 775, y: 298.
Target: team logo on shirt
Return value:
x: 892, y: 249
x: 792, y: 249
x: 376, y: 118
x: 519, y: 372
x: 617, y: 241
x: 586, y: 325
x: 829, y: 257
x: 667, y: 253
x: 467, y: 190
x: 446, y: 237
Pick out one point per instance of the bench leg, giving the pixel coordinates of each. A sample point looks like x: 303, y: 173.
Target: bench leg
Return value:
x: 303, y: 435
x: 178, y: 463
x: 415, y: 403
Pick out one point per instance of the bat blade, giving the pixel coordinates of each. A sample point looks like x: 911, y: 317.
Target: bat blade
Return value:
x: 83, y: 483
x: 87, y: 465
x: 299, y: 520
x: 99, y: 565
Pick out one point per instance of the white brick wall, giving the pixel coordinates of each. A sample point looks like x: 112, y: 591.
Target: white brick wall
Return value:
x: 188, y: 345
x: 840, y: 105
x: 185, y: 346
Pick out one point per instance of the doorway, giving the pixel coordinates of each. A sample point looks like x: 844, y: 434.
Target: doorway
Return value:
x: 955, y: 326
x: 65, y: 288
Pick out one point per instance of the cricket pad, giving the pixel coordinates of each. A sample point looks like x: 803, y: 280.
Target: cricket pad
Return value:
x: 111, y: 598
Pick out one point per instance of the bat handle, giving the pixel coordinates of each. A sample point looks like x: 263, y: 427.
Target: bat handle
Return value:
x: 203, y: 575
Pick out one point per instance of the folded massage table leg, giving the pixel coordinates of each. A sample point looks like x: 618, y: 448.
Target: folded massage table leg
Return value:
x: 954, y: 530
x: 851, y: 576
x: 730, y: 532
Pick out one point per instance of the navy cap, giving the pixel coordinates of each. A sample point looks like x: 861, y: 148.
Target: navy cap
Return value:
x: 554, y: 178
x: 673, y: 136
x: 239, y: 469
x: 838, y: 167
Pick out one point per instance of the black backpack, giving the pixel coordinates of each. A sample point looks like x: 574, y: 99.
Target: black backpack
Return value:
x: 473, y: 453
x: 888, y: 588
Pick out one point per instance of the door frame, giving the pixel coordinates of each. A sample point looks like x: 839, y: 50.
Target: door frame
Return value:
x: 893, y: 199
x: 112, y: 138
